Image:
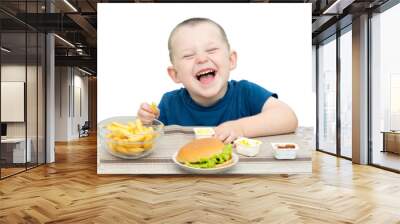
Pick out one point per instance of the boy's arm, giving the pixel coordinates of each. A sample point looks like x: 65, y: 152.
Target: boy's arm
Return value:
x: 275, y: 118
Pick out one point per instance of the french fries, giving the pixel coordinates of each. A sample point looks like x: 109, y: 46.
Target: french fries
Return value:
x: 154, y: 107
x: 130, y: 139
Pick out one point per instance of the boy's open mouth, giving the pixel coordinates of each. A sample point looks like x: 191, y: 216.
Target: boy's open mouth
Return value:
x: 206, y: 76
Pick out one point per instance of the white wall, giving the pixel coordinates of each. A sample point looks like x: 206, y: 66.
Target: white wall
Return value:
x: 15, y: 72
x: 33, y: 127
x: 80, y: 83
x: 61, y: 103
x: 68, y: 80
x: 273, y: 42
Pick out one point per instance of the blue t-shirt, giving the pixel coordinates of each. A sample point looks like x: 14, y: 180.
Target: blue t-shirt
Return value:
x: 242, y: 99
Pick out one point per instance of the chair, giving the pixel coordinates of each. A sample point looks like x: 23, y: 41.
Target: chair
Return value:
x: 84, y: 130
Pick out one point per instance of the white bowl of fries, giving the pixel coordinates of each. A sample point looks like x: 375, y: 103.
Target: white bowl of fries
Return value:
x: 127, y: 138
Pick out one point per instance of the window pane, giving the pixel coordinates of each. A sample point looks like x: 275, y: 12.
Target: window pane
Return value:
x: 13, y: 86
x: 386, y: 88
x: 327, y: 96
x: 31, y: 97
x: 346, y: 94
x: 41, y: 98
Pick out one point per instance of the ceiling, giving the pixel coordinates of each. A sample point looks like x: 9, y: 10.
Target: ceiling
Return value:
x: 76, y: 22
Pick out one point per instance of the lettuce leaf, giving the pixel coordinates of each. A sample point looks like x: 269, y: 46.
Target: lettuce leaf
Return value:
x: 212, y: 162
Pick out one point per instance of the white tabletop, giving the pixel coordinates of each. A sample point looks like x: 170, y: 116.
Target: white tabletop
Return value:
x: 13, y: 140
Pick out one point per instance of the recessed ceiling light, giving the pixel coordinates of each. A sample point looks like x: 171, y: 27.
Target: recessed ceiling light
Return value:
x: 84, y: 71
x: 64, y: 40
x: 70, y: 5
x: 338, y: 6
x: 5, y: 50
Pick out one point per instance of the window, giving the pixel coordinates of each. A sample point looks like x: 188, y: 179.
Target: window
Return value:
x: 327, y: 96
x: 385, y: 88
x: 22, y: 66
x: 346, y: 93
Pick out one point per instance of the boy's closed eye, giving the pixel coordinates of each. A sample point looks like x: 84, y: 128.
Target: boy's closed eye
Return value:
x: 188, y: 56
x: 212, y: 50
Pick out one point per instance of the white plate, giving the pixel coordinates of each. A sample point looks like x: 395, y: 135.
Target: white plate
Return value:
x: 235, y: 159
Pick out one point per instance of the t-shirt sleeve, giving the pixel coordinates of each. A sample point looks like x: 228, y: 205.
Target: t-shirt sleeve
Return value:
x: 257, y: 96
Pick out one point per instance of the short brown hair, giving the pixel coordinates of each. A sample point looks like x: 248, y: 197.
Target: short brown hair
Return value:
x: 192, y: 22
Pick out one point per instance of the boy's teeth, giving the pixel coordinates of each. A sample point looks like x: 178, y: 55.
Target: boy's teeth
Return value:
x: 205, y: 72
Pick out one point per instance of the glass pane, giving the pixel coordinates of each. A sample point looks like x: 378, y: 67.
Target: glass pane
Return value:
x: 13, y: 87
x: 31, y: 100
x: 31, y: 84
x: 346, y: 93
x: 327, y: 96
x: 386, y: 89
x: 23, y: 88
x: 395, y: 101
x: 41, y: 98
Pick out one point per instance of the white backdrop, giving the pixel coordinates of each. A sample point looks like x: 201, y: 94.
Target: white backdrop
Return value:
x: 273, y: 42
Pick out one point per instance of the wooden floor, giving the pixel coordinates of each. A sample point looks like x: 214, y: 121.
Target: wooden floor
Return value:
x: 70, y: 191
x: 10, y: 171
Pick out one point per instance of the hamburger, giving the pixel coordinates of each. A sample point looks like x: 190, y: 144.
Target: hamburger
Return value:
x: 205, y: 153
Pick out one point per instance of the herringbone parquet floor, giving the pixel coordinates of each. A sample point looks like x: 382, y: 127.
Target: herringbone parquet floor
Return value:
x: 70, y: 191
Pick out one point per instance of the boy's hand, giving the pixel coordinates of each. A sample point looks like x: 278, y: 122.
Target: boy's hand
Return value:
x: 146, y: 114
x: 229, y: 131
